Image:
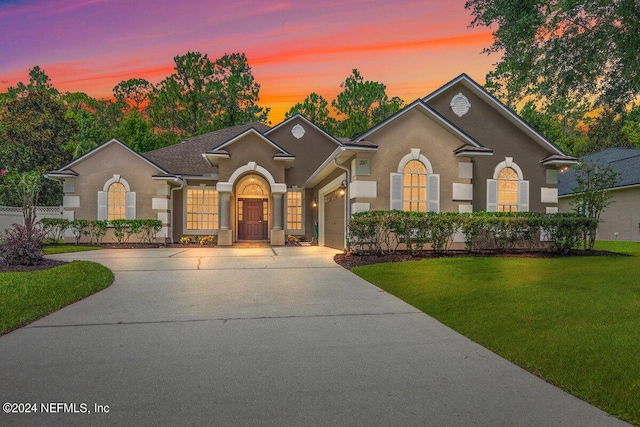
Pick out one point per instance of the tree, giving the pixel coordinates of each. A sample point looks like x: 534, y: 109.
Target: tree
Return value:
x: 184, y: 102
x: 582, y: 50
x: 39, y: 81
x: 236, y: 93
x: 35, y: 132
x: 563, y: 126
x: 29, y: 185
x: 362, y: 104
x: 605, y: 131
x: 592, y: 193
x: 137, y: 133
x: 315, y: 108
x: 133, y: 94
x: 92, y: 128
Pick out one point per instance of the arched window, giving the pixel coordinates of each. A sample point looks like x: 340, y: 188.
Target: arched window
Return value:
x: 414, y: 187
x: 116, y: 201
x: 414, y: 191
x: 507, y: 191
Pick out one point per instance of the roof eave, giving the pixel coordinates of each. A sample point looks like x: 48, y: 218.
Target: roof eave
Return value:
x: 472, y: 153
x: 212, y: 158
x: 559, y: 161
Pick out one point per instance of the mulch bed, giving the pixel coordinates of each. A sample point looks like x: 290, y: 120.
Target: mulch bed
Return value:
x: 349, y: 261
x: 46, y: 264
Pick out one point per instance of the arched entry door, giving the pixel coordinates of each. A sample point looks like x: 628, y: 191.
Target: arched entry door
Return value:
x: 253, y: 208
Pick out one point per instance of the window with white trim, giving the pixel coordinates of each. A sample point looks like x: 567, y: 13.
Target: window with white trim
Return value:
x: 414, y: 191
x: 415, y: 187
x: 116, y: 204
x: 202, y: 208
x: 508, y: 191
x: 116, y: 200
x: 294, y: 210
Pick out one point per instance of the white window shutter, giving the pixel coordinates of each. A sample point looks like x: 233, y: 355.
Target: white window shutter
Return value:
x: 492, y: 195
x: 396, y: 191
x: 523, y: 196
x: 130, y: 205
x: 433, y: 193
x: 102, y: 205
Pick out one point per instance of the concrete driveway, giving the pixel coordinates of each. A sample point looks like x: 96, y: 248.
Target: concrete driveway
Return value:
x: 274, y: 337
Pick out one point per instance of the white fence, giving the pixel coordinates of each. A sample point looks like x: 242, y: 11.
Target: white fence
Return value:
x: 12, y: 215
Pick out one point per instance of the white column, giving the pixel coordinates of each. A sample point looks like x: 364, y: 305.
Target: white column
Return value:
x: 225, y: 210
x: 277, y: 212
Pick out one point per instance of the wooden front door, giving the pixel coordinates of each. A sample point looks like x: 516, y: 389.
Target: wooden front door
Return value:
x: 252, y: 223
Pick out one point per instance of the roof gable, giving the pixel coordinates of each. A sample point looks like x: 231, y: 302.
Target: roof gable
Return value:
x: 428, y: 111
x: 66, y: 168
x: 466, y: 81
x: 250, y: 131
x: 299, y: 116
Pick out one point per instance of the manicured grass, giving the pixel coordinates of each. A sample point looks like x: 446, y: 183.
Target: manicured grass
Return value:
x: 573, y: 321
x: 27, y: 296
x: 63, y: 249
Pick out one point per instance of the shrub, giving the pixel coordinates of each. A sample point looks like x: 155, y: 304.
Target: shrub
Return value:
x: 148, y: 228
x: 79, y: 228
x: 382, y: 231
x: 120, y: 230
x: 54, y: 228
x: 22, y: 245
x: 97, y: 229
x: 566, y: 232
x: 207, y: 240
x: 185, y: 240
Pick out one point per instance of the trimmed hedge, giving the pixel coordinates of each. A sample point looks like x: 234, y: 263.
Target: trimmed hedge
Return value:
x: 380, y: 232
x: 123, y: 229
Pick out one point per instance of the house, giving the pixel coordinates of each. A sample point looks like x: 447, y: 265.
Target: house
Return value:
x: 620, y: 219
x: 458, y: 149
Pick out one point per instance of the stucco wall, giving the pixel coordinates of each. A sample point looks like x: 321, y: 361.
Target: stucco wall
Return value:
x: 620, y: 217
x: 311, y: 150
x: 81, y: 197
x: 251, y: 148
x: 494, y: 131
x: 414, y: 129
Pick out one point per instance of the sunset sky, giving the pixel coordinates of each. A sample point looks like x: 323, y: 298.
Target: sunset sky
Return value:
x: 293, y: 47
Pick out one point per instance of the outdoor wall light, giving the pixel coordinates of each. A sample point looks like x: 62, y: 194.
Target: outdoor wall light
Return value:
x: 314, y: 203
x: 342, y: 190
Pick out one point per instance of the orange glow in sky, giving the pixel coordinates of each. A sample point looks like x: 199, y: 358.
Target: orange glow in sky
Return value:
x: 293, y: 47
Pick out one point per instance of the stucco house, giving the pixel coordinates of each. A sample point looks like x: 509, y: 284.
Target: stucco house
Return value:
x: 620, y: 219
x: 458, y: 149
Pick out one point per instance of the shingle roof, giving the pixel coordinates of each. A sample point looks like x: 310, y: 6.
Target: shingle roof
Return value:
x: 186, y: 158
x: 625, y: 161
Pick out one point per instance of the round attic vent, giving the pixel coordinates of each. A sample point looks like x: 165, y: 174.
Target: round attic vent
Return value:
x: 460, y: 105
x: 297, y: 131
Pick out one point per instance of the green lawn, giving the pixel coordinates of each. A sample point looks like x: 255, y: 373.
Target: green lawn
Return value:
x: 25, y: 297
x: 573, y: 321
x: 63, y: 249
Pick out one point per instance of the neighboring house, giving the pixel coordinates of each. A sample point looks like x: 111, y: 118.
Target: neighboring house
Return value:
x: 459, y: 149
x: 620, y: 219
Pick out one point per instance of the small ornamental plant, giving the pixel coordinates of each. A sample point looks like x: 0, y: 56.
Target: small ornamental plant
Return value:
x: 22, y: 245
x: 185, y: 240
x: 207, y: 240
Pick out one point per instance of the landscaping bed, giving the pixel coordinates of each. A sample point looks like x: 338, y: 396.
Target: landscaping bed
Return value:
x: 350, y: 261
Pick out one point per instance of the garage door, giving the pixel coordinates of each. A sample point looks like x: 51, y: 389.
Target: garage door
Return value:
x: 334, y: 220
